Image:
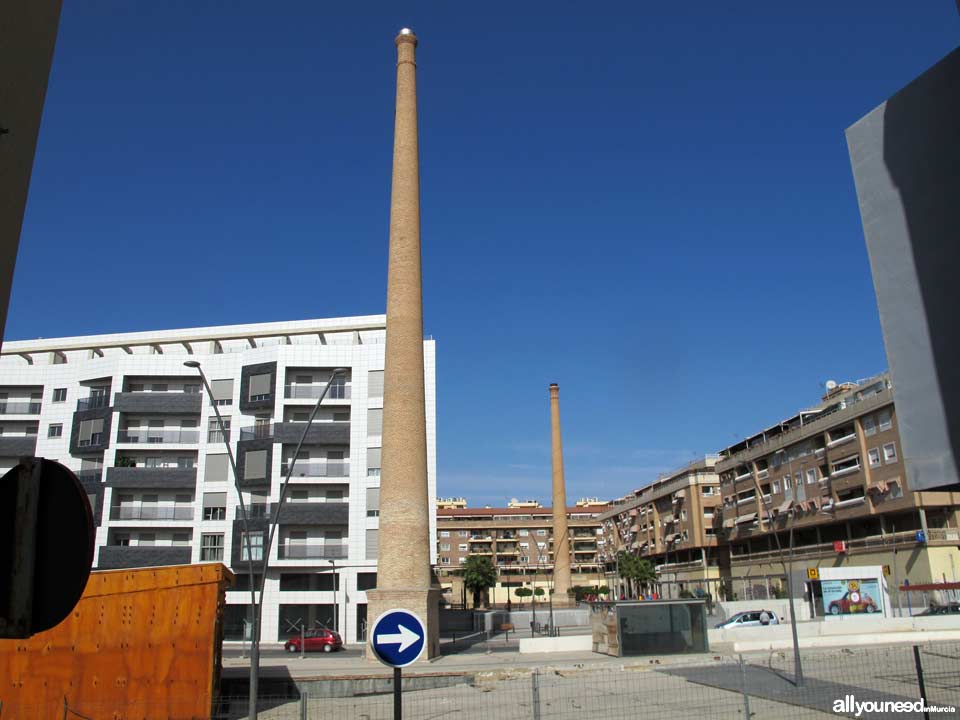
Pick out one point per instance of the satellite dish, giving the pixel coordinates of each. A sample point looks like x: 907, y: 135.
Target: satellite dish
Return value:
x: 831, y: 384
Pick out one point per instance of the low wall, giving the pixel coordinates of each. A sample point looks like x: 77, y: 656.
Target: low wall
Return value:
x: 723, y: 611
x: 837, y: 627
x: 521, y: 619
x: 564, y: 643
x: 848, y: 640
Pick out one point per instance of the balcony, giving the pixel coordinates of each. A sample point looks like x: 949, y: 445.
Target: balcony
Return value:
x: 113, y: 557
x: 150, y: 512
x: 317, y: 470
x: 93, y: 402
x: 19, y: 408
x: 322, y: 433
x: 312, y: 392
x: 300, y: 513
x: 158, y: 437
x: 16, y: 445
x: 158, y: 402
x: 154, y: 478
x: 481, y: 538
x: 297, y: 551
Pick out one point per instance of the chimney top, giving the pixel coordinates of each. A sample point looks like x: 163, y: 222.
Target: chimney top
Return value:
x: 406, y: 35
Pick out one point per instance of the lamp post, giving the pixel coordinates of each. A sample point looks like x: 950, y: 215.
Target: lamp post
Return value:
x: 257, y: 607
x: 336, y: 613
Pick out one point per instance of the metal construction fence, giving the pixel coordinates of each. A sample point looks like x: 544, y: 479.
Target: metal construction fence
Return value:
x: 868, y: 682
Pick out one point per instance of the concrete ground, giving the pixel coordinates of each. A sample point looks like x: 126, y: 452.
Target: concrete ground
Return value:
x: 503, y: 684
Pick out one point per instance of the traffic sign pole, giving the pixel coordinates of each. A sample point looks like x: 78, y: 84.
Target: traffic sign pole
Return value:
x: 397, y: 698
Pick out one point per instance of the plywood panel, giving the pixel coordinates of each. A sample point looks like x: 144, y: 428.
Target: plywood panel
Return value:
x: 140, y: 644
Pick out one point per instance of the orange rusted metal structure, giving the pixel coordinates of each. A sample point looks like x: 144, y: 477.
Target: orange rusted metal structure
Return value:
x: 140, y: 644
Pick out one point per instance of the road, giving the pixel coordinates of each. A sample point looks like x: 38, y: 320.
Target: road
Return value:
x: 233, y: 653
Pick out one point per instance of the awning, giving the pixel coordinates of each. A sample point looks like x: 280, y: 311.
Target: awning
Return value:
x: 634, y: 528
x: 783, y: 507
x: 729, y: 523
x: 749, y: 517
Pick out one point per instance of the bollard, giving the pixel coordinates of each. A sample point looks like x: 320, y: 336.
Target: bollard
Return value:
x: 743, y: 689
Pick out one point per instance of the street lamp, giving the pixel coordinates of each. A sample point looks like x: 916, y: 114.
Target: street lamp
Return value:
x: 257, y: 607
x: 333, y: 574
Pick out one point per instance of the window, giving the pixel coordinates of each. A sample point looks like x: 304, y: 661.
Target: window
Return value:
x: 366, y: 580
x: 786, y: 482
x: 463, y: 533
x: 885, y: 420
x: 797, y: 479
x: 373, y: 462
x: 159, y: 387
x: 373, y: 502
x: 374, y: 422
x: 375, y: 384
x: 444, y: 533
x: 55, y: 431
x: 255, y: 550
x: 222, y: 391
x: 707, y: 490
x: 541, y: 532
x: 214, y: 434
x: 260, y: 387
x: 895, y: 490
x: 121, y: 539
x: 255, y: 465
x: 341, y: 417
x: 136, y: 387
x: 215, y: 506
x: 847, y: 465
x: 147, y: 539
x: 776, y: 486
x: 181, y: 538
x: 811, y: 477
x: 683, y: 514
x: 874, y: 455
x: 445, y: 547
x: 890, y: 453
x: 59, y: 394
x: 444, y: 561
x: 211, y: 547
x: 462, y: 547
x: 185, y: 463
x: 869, y: 425
x: 301, y: 416
x: 524, y: 533
x: 191, y: 389
x: 217, y: 468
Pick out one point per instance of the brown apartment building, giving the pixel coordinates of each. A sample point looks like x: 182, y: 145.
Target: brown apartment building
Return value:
x: 671, y: 522
x: 837, y: 476
x: 519, y: 541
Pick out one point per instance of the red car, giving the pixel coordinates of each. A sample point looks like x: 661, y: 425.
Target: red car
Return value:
x: 853, y: 602
x: 319, y: 639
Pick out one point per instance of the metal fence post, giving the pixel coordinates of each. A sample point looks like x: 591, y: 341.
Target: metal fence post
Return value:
x: 923, y: 689
x: 535, y: 686
x: 743, y: 688
x: 304, y: 700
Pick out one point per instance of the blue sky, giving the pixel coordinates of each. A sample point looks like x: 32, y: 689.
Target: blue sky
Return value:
x: 650, y: 204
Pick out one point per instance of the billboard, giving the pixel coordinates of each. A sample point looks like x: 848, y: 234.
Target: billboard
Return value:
x: 852, y: 597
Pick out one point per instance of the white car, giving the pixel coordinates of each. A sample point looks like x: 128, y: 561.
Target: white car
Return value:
x: 748, y: 619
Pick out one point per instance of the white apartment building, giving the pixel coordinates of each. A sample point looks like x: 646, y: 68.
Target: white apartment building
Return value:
x: 126, y: 414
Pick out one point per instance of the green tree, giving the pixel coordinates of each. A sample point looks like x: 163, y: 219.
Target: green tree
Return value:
x: 639, y: 571
x: 478, y: 576
x: 523, y: 592
x: 539, y: 592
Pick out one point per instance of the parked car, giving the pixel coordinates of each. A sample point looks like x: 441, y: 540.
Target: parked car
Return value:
x: 948, y: 609
x: 319, y: 639
x: 751, y: 618
x: 853, y: 601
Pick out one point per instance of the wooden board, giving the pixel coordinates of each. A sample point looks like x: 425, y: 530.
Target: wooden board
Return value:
x: 141, y: 644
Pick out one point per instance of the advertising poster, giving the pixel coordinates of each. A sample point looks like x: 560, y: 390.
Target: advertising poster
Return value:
x: 852, y: 597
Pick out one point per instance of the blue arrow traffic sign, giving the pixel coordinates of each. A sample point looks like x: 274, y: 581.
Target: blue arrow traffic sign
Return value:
x: 398, y: 637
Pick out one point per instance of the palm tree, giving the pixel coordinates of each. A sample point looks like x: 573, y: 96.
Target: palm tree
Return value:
x: 639, y: 572
x: 478, y: 575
